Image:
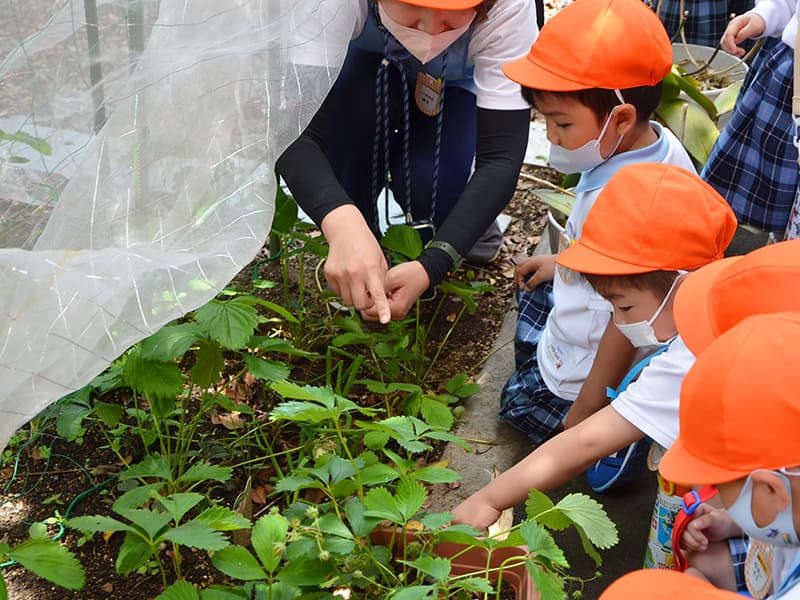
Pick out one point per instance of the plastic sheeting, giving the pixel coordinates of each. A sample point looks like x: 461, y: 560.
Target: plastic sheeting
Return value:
x: 165, y: 119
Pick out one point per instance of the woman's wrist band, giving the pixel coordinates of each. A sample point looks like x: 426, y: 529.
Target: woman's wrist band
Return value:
x: 447, y: 248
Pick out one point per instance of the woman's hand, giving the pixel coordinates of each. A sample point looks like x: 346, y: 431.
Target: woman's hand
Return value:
x: 356, y: 267
x: 741, y: 28
x: 404, y: 284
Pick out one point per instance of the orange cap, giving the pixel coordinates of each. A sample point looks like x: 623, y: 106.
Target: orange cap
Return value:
x: 652, y: 217
x: 739, y: 409
x: 612, y: 44
x: 662, y: 584
x: 715, y: 298
x: 444, y: 4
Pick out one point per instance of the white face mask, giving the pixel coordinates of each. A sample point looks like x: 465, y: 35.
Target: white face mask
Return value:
x: 641, y: 333
x: 780, y: 532
x: 581, y: 159
x: 424, y: 46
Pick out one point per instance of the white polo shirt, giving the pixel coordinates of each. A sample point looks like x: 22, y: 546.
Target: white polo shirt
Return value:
x: 571, y: 336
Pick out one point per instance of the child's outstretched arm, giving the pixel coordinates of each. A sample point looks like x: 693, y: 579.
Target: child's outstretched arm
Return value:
x: 612, y: 361
x: 555, y: 462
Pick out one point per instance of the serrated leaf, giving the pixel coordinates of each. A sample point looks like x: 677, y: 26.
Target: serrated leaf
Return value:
x: 153, y: 465
x: 109, y: 414
x: 434, y: 566
x: 133, y: 553
x: 292, y: 483
x: 204, y: 471
x: 436, y: 413
x: 179, y: 503
x: 410, y: 496
x: 590, y: 550
x: 221, y: 518
x: 541, y: 508
x: 232, y: 322
x: 377, y: 474
x: 360, y: 523
x: 218, y: 592
x: 309, y: 572
x: 461, y: 386
x: 170, y: 342
x: 548, y: 584
x: 238, y: 563
x: 149, y: 521
x: 182, y: 590
x: 403, y: 240
x: 208, y: 364
x: 540, y: 542
x: 477, y: 585
x: 435, y: 475
x: 435, y: 520
x: 285, y: 212
x: 375, y: 440
x: 266, y: 370
x: 196, y: 534
x: 269, y: 539
x: 50, y: 560
x: 151, y: 378
x: 590, y: 516
x: 134, y: 498
x: 97, y: 523
x: 69, y: 423
x: 381, y: 504
x: 414, y: 592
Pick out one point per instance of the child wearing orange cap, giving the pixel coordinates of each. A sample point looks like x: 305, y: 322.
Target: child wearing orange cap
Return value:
x: 421, y: 107
x: 634, y: 250
x: 595, y: 74
x: 739, y: 417
x: 710, y: 302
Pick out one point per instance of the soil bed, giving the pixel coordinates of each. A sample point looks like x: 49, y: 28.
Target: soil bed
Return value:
x: 42, y: 487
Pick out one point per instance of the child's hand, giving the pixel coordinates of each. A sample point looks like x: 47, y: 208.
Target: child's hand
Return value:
x: 535, y: 270
x: 709, y: 525
x: 476, y: 511
x: 741, y: 28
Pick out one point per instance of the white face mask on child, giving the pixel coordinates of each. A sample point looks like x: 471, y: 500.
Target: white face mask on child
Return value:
x: 780, y: 532
x: 424, y: 46
x: 641, y: 333
x: 586, y: 157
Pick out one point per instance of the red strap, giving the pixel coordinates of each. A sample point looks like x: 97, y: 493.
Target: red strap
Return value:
x: 691, y: 500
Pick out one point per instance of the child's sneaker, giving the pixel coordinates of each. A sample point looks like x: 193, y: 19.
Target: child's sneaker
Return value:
x: 626, y: 466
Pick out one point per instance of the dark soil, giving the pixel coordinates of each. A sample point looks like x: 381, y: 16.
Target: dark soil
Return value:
x: 43, y: 487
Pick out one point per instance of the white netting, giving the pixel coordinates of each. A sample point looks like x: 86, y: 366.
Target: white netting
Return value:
x: 165, y: 119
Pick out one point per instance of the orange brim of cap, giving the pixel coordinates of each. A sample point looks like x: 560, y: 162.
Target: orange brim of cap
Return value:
x: 663, y: 584
x: 681, y: 466
x: 581, y: 258
x: 692, y: 308
x: 444, y: 4
x: 531, y: 75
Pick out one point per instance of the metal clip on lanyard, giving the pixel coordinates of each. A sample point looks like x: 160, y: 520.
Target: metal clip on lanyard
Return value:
x: 691, y: 500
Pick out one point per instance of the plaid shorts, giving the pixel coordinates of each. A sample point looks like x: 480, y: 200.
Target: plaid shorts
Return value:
x: 706, y: 21
x: 526, y: 402
x: 753, y: 164
x: 738, y: 547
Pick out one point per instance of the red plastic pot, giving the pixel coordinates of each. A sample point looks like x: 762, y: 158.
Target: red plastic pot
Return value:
x: 472, y: 560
